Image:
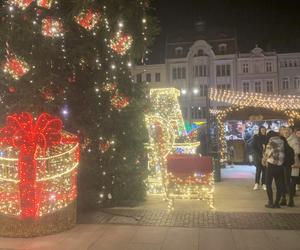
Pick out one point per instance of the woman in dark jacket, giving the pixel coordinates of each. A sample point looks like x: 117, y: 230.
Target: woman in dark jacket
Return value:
x: 258, y: 144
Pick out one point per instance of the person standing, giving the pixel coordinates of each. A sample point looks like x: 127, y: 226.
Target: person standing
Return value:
x: 292, y: 169
x: 273, y: 159
x: 258, y: 144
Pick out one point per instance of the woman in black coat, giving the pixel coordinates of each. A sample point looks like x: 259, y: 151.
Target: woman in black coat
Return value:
x: 258, y: 144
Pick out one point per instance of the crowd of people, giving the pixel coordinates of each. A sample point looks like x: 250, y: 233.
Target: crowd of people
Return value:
x: 277, y: 157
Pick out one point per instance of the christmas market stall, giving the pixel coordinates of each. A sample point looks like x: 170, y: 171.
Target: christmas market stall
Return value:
x: 246, y: 112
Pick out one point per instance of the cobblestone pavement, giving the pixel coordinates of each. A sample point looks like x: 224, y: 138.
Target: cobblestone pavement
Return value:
x: 190, y: 219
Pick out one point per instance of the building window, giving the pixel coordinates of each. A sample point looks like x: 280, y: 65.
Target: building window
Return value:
x: 198, y: 112
x: 200, y: 70
x: 246, y: 87
x: 178, y: 51
x: 245, y: 68
x: 270, y: 86
x: 296, y: 82
x: 203, y: 90
x: 224, y: 86
x: 269, y: 67
x: 222, y: 48
x: 200, y: 52
x: 179, y: 73
x: 223, y: 70
x: 157, y: 77
x: 285, y: 83
x: 257, y: 87
x: 148, y: 77
x: 139, y: 78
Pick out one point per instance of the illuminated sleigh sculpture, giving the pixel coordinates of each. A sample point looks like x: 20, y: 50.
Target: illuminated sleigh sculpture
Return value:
x: 185, y: 175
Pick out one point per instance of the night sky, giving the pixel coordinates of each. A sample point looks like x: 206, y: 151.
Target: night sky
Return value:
x: 272, y: 24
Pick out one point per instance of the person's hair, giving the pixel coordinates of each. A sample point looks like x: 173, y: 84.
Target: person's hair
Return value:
x: 271, y: 134
x: 260, y: 128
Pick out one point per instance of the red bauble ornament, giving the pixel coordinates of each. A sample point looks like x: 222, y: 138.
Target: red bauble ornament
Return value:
x: 48, y: 95
x: 11, y: 89
x: 104, y: 146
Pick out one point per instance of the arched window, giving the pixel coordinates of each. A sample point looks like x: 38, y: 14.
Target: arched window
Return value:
x: 178, y: 51
x: 222, y: 48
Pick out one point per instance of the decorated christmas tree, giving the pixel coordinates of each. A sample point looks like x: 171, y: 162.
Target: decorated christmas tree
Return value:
x: 73, y: 59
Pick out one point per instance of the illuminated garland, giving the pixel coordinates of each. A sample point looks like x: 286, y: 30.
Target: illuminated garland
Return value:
x: 121, y: 43
x: 275, y: 102
x: 16, y: 67
x: 51, y: 27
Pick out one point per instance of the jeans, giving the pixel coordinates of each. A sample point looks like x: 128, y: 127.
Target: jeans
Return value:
x: 260, y: 172
x: 287, y: 180
x: 276, y: 173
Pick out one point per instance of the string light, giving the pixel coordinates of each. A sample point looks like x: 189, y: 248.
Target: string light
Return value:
x: 275, y: 102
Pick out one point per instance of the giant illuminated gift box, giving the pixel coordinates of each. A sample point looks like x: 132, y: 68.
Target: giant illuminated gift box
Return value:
x: 38, y: 176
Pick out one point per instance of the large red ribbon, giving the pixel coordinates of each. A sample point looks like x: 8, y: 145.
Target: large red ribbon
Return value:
x: 27, y: 135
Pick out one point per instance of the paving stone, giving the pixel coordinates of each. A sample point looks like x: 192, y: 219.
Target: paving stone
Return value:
x: 188, y: 219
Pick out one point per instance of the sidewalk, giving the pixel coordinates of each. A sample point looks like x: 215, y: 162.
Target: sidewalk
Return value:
x: 119, y: 237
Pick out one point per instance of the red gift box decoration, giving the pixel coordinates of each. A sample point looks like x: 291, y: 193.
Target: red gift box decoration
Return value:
x: 119, y: 101
x: 22, y: 4
x: 34, y: 139
x: 88, y: 19
x: 44, y: 3
x: 16, y: 67
x: 121, y: 43
x: 52, y: 27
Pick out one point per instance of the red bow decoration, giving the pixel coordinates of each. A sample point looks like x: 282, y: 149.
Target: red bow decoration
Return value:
x: 22, y: 132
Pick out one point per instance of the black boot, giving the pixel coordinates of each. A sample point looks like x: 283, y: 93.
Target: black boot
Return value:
x: 269, y: 205
x: 283, y: 201
x: 291, y: 202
